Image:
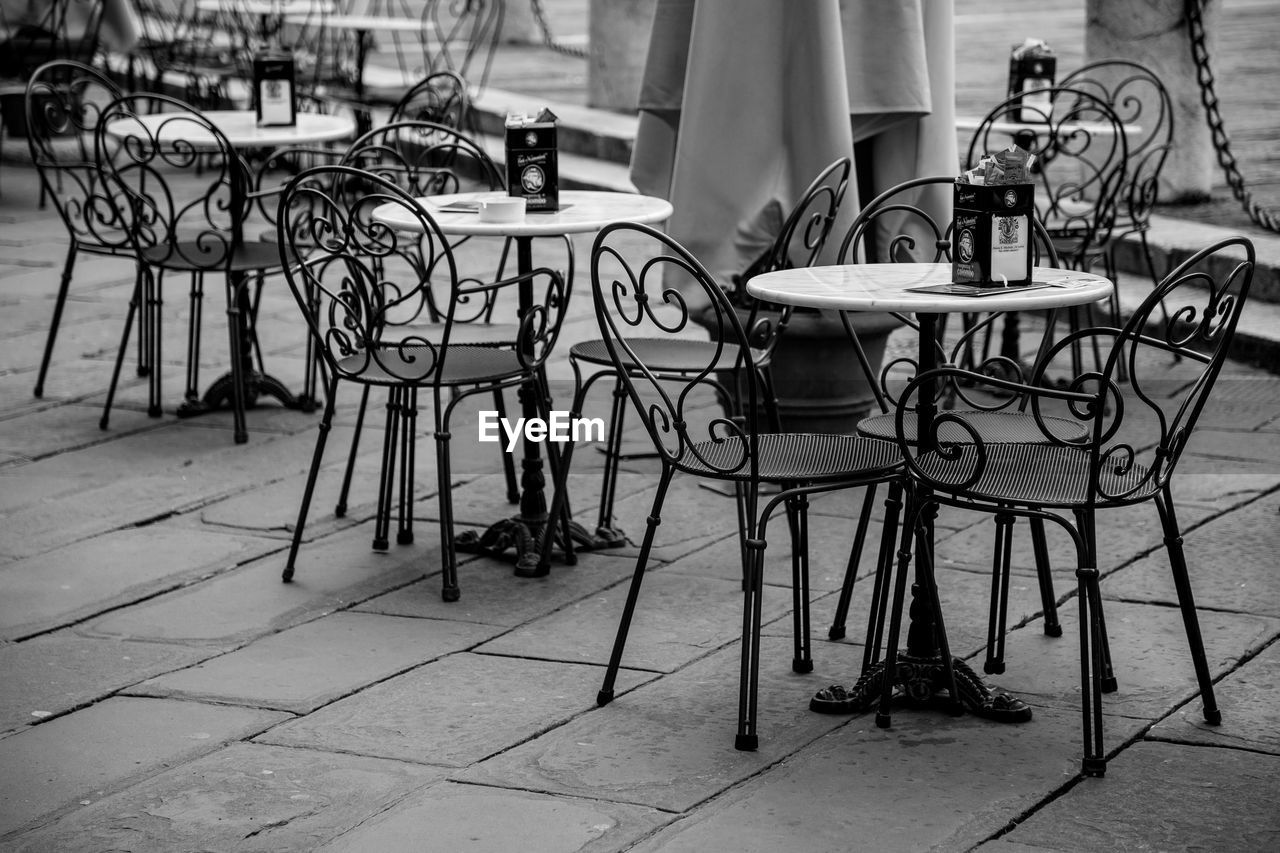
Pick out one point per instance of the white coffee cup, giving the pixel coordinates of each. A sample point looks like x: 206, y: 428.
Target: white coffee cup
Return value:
x: 509, y: 209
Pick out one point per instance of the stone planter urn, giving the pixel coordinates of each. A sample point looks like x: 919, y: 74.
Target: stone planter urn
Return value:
x: 819, y: 383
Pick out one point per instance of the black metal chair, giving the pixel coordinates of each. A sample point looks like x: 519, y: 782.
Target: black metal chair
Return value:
x: 428, y: 159
x: 798, y: 243
x: 359, y: 284
x: 184, y: 191
x: 439, y: 97
x: 64, y: 100
x: 1141, y: 101
x: 633, y: 268
x: 911, y: 223
x: 1082, y: 154
x: 1135, y: 433
x: 461, y: 36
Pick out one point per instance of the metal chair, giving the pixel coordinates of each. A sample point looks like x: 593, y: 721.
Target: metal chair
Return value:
x: 1141, y: 101
x: 801, y: 239
x: 358, y: 284
x: 1135, y: 433
x: 1082, y: 154
x: 636, y: 304
x: 183, y: 190
x: 428, y: 159
x: 904, y: 224
x: 461, y: 36
x: 64, y: 100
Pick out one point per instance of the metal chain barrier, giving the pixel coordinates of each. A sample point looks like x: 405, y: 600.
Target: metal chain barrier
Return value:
x: 1222, y: 145
x: 540, y: 17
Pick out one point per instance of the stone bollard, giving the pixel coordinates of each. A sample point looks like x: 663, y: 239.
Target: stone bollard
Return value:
x: 619, y: 36
x: 1154, y: 33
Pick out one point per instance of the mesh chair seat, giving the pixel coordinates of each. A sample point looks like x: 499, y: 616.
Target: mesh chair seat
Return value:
x: 466, y: 364
x: 797, y: 457
x: 203, y: 255
x: 665, y: 356
x: 1043, y: 475
x: 1003, y: 427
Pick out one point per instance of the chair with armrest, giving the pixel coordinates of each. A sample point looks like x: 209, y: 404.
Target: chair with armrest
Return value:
x: 361, y: 285
x: 634, y: 269
x: 1135, y: 432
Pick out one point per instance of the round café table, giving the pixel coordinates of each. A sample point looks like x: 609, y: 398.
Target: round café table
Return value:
x: 927, y: 290
x: 580, y: 212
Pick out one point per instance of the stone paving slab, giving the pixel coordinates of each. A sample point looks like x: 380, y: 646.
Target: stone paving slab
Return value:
x: 244, y: 797
x: 53, y: 589
x: 82, y: 757
x: 1149, y: 652
x: 516, y: 820
x: 304, y: 668
x: 1160, y: 796
x: 669, y: 743
x: 931, y: 782
x: 48, y: 676
x: 252, y: 601
x: 1250, y: 718
x: 1231, y: 562
x: 678, y: 618
x: 452, y: 712
x: 492, y: 595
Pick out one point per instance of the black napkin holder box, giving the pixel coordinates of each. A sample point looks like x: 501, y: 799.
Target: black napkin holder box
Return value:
x: 992, y: 239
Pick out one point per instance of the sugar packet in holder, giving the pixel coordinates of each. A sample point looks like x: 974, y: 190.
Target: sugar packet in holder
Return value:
x: 992, y: 206
x: 533, y: 171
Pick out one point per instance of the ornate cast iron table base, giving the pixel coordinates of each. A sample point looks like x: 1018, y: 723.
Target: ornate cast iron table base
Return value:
x: 524, y: 537
x: 922, y: 682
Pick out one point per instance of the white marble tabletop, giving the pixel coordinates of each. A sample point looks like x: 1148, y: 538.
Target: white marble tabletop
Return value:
x: 239, y: 126
x: 580, y: 211
x: 889, y: 287
x: 359, y: 23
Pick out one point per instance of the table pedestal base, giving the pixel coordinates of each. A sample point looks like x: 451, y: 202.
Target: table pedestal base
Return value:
x: 923, y: 684
x: 221, y: 395
x: 524, y: 537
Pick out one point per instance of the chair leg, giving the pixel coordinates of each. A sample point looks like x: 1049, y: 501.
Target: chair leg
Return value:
x: 508, y: 460
x: 1094, y: 762
x: 235, y: 291
x: 67, y: 267
x: 560, y: 495
x: 135, y: 301
x: 883, y: 577
x: 449, y: 589
x: 1085, y: 524
x: 152, y: 318
x: 612, y: 456
x: 1044, y: 574
x: 408, y: 434
x: 1186, y: 603
x: 747, y: 738
x: 386, y: 478
x: 911, y: 522
x: 194, y: 325
x: 837, y: 629
x: 605, y: 696
x: 798, y: 521
x: 326, y: 421
x: 997, y: 618
x: 344, y: 493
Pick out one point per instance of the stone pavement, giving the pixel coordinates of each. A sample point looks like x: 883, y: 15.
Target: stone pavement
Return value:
x: 161, y: 690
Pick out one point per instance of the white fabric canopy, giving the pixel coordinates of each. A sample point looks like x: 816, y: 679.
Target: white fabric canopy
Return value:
x: 744, y: 101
